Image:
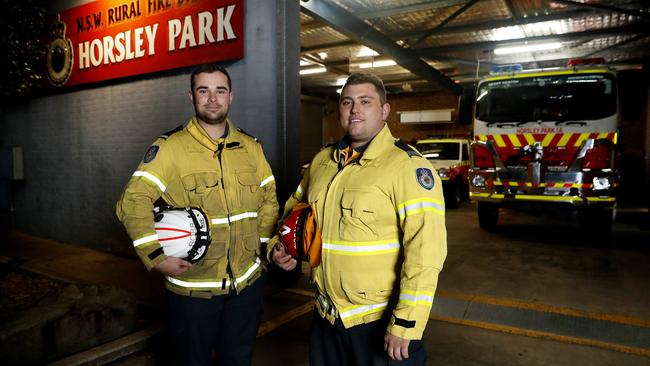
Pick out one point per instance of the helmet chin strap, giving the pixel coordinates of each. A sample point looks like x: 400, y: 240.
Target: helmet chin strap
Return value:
x: 202, y: 237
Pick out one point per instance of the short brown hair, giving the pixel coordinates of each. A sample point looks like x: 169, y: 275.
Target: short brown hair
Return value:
x: 363, y: 78
x: 209, y: 69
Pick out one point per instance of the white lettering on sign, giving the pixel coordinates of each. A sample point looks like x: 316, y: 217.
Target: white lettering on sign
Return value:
x: 205, y: 24
x: 190, y: 31
x: 119, y: 48
x: 539, y: 130
x: 206, y: 31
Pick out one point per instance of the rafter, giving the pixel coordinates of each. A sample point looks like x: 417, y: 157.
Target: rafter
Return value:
x: 636, y: 12
x: 357, y: 29
x: 461, y: 28
x: 453, y: 16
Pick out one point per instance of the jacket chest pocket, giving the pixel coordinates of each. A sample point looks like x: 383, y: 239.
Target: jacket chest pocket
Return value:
x: 203, y: 190
x: 248, y: 190
x: 358, y: 215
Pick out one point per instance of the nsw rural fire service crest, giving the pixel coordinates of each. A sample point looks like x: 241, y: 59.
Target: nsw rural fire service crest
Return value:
x: 60, y: 54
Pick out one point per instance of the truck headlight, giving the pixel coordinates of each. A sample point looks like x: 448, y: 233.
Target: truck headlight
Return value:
x: 601, y: 183
x: 478, y: 181
x: 443, y: 173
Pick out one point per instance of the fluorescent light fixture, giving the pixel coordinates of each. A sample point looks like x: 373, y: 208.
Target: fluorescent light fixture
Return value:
x: 366, y: 52
x: 304, y: 63
x: 527, y: 48
x: 382, y: 63
x: 506, y: 33
x: 315, y: 70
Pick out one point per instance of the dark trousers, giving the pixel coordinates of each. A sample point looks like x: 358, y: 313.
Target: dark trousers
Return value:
x: 361, y: 345
x: 226, y: 324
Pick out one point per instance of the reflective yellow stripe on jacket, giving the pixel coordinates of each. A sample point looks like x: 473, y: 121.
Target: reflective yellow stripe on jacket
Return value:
x: 361, y: 248
x: 419, y: 205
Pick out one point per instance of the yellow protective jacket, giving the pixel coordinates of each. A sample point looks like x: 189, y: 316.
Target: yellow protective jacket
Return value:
x: 230, y: 180
x: 383, y: 231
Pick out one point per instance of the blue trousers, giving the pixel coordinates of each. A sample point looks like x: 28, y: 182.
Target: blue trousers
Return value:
x: 361, y: 345
x: 225, y: 324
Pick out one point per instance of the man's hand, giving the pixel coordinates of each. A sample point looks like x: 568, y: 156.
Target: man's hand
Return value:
x: 173, y: 266
x: 397, y: 348
x: 283, y: 259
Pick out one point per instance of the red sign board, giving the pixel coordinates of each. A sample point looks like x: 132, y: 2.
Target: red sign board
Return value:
x: 108, y: 39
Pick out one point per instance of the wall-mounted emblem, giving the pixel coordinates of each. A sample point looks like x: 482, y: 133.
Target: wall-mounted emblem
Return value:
x: 60, y: 54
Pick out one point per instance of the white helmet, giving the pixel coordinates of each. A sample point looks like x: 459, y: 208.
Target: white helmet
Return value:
x: 182, y: 232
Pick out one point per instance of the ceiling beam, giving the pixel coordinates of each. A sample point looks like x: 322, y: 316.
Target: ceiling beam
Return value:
x: 357, y: 29
x: 457, y: 60
x: 405, y: 9
x: 433, y: 30
x: 635, y: 12
x: 331, y: 66
x: 461, y: 28
x: 398, y: 10
x: 499, y: 23
x: 617, y: 45
x: 639, y: 27
x: 336, y: 65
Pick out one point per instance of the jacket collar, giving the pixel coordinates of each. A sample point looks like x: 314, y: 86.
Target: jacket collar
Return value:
x: 382, y: 141
x: 232, y: 139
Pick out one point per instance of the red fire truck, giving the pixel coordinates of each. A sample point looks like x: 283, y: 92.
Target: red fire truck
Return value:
x: 546, y: 137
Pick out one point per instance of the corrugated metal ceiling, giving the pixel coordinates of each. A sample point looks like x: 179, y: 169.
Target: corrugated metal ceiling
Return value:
x: 457, y: 38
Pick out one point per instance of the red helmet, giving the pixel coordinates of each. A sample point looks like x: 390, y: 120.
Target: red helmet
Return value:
x: 300, y: 236
x: 292, y: 232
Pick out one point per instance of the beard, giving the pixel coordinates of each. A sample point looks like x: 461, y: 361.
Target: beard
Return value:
x: 211, y: 117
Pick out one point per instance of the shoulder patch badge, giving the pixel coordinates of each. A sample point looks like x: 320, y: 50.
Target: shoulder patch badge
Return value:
x: 151, y: 153
x: 424, y: 176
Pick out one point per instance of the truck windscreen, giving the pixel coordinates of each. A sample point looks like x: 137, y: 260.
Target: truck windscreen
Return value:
x: 439, y: 150
x: 575, y: 97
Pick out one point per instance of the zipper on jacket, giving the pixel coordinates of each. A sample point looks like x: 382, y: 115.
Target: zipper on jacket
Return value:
x: 219, y: 150
x: 233, y: 281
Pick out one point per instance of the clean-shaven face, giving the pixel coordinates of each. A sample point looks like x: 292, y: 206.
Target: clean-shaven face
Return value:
x: 211, y: 97
x: 361, y: 113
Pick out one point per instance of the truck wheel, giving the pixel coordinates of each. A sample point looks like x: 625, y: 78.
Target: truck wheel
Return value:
x: 453, y: 195
x: 488, y: 215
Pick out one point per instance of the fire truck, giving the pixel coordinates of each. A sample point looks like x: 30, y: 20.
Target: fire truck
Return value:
x: 546, y: 138
x: 450, y: 157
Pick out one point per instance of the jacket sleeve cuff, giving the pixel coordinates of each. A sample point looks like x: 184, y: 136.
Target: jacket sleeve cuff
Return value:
x: 407, y: 329
x: 269, y: 247
x: 152, y: 258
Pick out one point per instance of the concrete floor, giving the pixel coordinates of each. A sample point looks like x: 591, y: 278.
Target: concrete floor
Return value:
x: 537, y: 291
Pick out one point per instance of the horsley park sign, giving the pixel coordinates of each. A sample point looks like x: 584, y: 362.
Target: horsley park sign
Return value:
x: 106, y: 39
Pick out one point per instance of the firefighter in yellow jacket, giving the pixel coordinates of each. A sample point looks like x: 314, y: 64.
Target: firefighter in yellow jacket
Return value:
x: 379, y: 208
x: 215, y: 303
